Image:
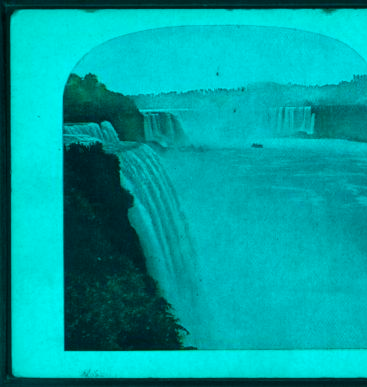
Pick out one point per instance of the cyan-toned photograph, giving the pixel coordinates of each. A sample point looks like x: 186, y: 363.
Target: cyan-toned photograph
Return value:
x: 188, y: 193
x: 215, y: 192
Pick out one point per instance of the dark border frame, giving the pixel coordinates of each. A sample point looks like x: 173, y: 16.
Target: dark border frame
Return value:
x: 8, y: 7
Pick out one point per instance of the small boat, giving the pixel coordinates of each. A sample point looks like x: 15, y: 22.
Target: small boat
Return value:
x: 255, y: 145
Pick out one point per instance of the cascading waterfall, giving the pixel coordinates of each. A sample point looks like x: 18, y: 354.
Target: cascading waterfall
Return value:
x: 90, y: 132
x: 161, y: 226
x: 252, y: 214
x: 287, y: 121
x: 109, y: 132
x: 155, y: 215
x: 224, y: 126
x: 163, y: 128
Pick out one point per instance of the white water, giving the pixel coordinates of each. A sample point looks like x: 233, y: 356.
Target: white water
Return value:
x: 163, y: 128
x: 231, y: 127
x: 286, y: 121
x: 162, y: 229
x: 281, y: 242
x: 155, y: 215
x: 279, y: 236
x: 90, y: 132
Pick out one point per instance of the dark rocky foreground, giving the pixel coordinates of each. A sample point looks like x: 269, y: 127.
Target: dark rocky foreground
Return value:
x: 111, y: 303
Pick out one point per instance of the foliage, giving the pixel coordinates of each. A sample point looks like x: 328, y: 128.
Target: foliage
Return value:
x: 88, y: 100
x: 111, y: 303
x: 263, y: 94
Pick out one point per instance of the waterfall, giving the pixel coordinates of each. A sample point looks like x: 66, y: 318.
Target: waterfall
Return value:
x: 90, y: 132
x: 287, y: 121
x: 224, y: 126
x: 155, y: 215
x: 162, y: 229
x: 109, y: 132
x: 163, y: 128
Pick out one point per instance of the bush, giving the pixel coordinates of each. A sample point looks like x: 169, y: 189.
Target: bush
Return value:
x: 111, y: 303
x: 87, y: 100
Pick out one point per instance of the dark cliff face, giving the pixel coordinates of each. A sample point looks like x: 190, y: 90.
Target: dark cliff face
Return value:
x: 347, y: 122
x: 111, y: 303
x: 96, y: 205
x: 87, y: 100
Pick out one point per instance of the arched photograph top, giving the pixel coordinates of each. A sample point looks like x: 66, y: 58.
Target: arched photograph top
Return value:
x: 189, y: 193
x: 214, y: 186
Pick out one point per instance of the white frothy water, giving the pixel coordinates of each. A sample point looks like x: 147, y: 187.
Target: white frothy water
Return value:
x: 90, y: 132
x: 233, y: 127
x: 155, y: 215
x: 286, y: 121
x: 280, y: 240
x: 162, y: 229
x: 163, y: 128
x: 279, y: 234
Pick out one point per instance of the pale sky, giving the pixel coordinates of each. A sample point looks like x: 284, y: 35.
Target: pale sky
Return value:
x: 195, y: 57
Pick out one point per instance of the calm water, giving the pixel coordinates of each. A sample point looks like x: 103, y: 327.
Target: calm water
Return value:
x: 281, y: 243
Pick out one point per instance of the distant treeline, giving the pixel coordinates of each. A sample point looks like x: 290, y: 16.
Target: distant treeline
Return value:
x: 340, y: 109
x: 111, y: 302
x: 88, y: 100
x: 264, y: 94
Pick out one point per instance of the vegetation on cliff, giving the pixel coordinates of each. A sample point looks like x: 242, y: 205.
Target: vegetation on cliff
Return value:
x: 88, y: 100
x: 111, y: 303
x: 265, y: 94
